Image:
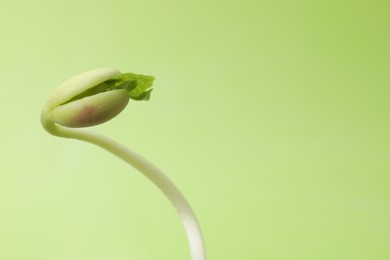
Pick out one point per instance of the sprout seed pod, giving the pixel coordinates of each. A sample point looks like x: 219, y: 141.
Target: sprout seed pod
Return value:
x: 96, y: 96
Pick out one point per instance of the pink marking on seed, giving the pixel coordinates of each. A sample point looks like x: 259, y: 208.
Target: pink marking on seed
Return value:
x: 86, y: 115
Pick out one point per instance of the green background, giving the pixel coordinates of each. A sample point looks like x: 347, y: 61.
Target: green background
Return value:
x: 272, y: 117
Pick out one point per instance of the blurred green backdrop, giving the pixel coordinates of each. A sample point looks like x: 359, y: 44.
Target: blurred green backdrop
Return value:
x: 271, y: 116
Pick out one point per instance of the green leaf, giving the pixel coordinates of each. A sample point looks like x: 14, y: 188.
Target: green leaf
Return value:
x: 138, y: 86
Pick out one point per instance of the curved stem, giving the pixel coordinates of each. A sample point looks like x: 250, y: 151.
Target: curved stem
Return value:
x: 191, y: 226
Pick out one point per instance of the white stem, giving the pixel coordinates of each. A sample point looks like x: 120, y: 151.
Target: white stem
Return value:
x: 191, y: 226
